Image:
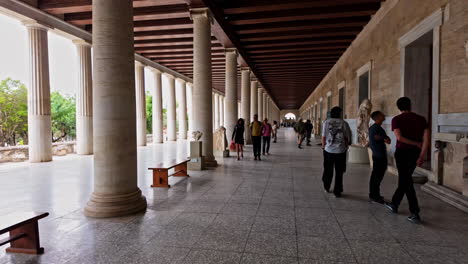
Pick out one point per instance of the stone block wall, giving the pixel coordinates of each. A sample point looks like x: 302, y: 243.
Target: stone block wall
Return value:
x: 378, y: 44
x: 21, y: 153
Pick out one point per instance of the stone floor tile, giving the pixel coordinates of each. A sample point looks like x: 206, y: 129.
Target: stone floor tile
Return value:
x: 275, y: 211
x: 319, y: 228
x: 240, y: 209
x: 274, y: 225
x: 324, y: 249
x: 249, y: 258
x: 179, y: 238
x: 272, y: 244
x: 228, y: 222
x: 378, y: 252
x: 436, y: 254
x: 223, y: 240
x: 197, y: 256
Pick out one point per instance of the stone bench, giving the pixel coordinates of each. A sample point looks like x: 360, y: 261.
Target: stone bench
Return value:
x: 161, y: 172
x: 24, y: 232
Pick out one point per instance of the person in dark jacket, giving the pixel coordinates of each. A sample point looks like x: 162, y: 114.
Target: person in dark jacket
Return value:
x: 309, y: 128
x: 238, y: 138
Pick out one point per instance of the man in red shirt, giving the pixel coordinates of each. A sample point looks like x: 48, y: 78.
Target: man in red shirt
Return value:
x: 412, y: 133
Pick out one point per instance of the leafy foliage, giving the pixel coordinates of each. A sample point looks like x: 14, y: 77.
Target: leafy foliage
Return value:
x: 63, y: 117
x: 13, y: 112
x: 149, y: 113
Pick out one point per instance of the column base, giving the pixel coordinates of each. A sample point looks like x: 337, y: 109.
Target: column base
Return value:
x: 211, y: 162
x: 221, y: 153
x: 105, y: 206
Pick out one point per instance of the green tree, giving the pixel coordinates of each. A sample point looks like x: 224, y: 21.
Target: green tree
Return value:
x: 149, y: 113
x: 63, y: 116
x: 13, y: 112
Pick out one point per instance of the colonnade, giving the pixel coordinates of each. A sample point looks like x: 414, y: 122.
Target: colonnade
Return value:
x: 111, y: 102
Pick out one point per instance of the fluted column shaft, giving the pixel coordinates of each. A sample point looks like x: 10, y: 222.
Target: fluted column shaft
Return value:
x: 253, y: 99
x: 216, y: 111
x: 140, y: 103
x: 84, y: 100
x: 182, y: 92
x: 39, y: 122
x: 171, y: 108
x: 245, y: 102
x: 157, y: 108
x: 116, y: 192
x: 264, y: 105
x: 231, y: 91
x: 221, y: 110
x: 190, y: 108
x: 260, y: 104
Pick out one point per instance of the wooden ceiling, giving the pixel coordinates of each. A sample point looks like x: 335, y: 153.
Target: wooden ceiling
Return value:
x: 289, y: 45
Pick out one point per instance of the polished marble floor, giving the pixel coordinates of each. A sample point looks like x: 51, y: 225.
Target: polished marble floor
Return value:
x: 272, y: 211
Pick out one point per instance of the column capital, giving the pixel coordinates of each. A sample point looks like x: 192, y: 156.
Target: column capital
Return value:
x: 30, y: 23
x: 139, y: 64
x: 202, y: 12
x: 80, y: 42
x: 169, y: 76
x: 245, y: 69
x: 231, y: 50
x: 154, y: 70
x: 180, y: 80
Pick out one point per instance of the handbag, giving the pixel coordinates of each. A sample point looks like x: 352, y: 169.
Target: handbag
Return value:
x: 232, y: 146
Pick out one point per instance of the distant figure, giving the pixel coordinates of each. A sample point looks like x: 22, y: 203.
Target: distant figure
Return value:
x: 336, y: 137
x: 275, y: 128
x: 412, y: 133
x: 301, y: 131
x: 266, y: 134
x: 256, y: 129
x: 238, y: 138
x: 377, y: 140
x: 309, y: 128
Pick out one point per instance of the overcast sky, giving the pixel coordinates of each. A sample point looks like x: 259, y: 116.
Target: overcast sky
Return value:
x: 62, y: 58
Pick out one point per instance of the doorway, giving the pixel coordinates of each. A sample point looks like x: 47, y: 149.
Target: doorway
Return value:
x: 418, y: 73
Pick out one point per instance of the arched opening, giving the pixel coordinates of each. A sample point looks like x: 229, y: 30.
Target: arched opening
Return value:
x: 289, y: 120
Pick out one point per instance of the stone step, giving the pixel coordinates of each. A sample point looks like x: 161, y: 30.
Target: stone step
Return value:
x: 447, y: 195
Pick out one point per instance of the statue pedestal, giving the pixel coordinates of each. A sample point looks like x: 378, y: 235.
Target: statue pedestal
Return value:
x: 358, y: 154
x: 197, y: 161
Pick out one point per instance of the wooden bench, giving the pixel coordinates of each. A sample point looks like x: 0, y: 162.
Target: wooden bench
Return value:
x: 161, y: 172
x: 24, y: 232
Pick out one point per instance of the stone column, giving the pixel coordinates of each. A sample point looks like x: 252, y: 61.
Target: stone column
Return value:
x: 260, y: 104
x: 221, y: 111
x: 171, y: 108
x: 116, y: 192
x: 253, y: 99
x: 231, y: 91
x: 39, y: 123
x: 190, y: 108
x: 245, y: 102
x: 202, y: 101
x: 84, y: 100
x: 216, y: 111
x: 182, y: 91
x: 239, y: 109
x: 140, y: 103
x: 158, y: 136
x: 264, y: 105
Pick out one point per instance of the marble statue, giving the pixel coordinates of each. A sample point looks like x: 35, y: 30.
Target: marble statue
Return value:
x: 220, y: 142
x: 363, y: 122
x: 196, y: 135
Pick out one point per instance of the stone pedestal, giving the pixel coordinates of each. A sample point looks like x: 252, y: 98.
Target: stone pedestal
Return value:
x: 358, y: 154
x: 196, y: 158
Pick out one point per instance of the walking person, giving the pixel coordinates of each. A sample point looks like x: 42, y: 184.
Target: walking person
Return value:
x: 266, y: 135
x: 309, y: 128
x: 336, y: 137
x: 238, y: 138
x: 377, y: 140
x: 300, y: 129
x: 412, y: 133
x: 274, y: 131
x: 256, y: 132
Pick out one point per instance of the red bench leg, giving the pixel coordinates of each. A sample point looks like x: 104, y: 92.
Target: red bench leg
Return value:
x: 28, y: 244
x: 160, y: 178
x: 181, y: 170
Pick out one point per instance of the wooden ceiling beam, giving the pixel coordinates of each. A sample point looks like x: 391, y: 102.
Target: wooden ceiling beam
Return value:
x: 258, y: 6
x: 292, y: 43
x: 299, y: 35
x: 298, y: 49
